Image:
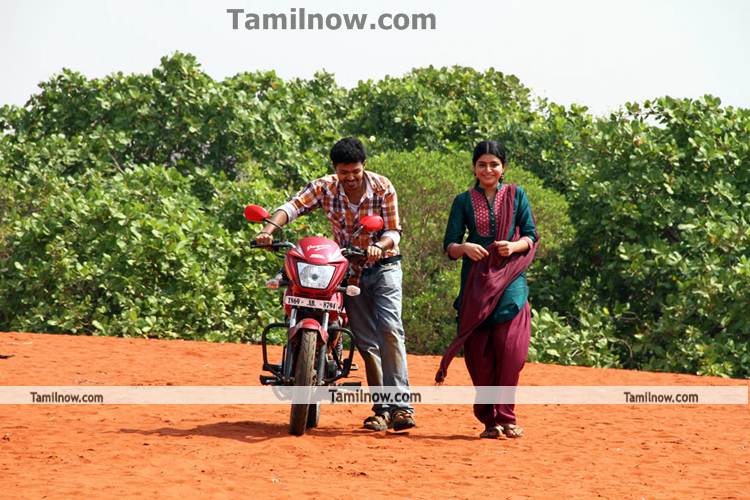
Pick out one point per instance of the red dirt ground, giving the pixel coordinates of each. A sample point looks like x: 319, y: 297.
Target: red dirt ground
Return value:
x: 183, y: 451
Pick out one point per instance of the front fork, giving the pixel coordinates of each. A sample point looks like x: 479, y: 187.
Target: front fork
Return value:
x: 287, y: 357
x: 282, y: 374
x: 322, y: 353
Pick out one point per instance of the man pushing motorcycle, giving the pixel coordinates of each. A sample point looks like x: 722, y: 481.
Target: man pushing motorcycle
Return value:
x: 375, y: 314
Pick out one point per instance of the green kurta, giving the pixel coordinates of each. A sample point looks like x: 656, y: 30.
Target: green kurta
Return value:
x: 463, y: 218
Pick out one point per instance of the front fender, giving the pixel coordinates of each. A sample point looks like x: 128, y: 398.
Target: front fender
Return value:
x: 308, y: 324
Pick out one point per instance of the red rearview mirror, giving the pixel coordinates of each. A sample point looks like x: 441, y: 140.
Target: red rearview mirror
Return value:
x: 255, y: 213
x: 371, y: 223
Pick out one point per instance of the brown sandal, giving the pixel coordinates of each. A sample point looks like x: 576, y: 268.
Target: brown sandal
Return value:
x: 377, y: 422
x: 511, y: 430
x: 402, y: 420
x: 491, y: 432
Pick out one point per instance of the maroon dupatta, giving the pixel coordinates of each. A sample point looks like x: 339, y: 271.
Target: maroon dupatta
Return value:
x: 487, y: 281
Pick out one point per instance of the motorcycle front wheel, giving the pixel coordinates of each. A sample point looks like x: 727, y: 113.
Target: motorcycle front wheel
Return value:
x: 304, y: 375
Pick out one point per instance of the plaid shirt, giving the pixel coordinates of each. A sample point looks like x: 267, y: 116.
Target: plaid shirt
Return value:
x: 327, y: 193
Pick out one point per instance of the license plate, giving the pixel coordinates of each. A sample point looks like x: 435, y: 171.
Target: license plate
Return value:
x: 326, y: 305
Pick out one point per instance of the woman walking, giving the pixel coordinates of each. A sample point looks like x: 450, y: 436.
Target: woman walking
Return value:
x: 494, y: 320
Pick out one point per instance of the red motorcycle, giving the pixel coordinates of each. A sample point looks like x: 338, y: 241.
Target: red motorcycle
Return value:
x: 313, y: 272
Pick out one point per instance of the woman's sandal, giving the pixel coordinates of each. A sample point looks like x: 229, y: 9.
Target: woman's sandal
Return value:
x: 511, y: 430
x: 491, y: 432
x: 377, y: 422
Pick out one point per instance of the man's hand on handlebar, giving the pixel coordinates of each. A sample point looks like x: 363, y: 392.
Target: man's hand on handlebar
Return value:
x: 263, y: 238
x: 374, y: 253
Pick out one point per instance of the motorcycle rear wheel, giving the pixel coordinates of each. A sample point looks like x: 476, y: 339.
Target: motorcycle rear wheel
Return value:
x: 304, y: 375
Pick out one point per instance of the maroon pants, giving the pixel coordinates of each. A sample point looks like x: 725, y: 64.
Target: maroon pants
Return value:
x: 495, y: 355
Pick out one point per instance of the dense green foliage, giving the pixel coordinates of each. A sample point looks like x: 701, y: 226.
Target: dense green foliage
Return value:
x: 121, y: 204
x: 439, y: 109
x: 135, y: 254
x: 672, y: 259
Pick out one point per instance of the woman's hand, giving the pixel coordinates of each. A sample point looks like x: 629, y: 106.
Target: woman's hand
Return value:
x: 504, y: 248
x: 474, y: 252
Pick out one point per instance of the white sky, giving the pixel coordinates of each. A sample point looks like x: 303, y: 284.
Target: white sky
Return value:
x: 598, y: 53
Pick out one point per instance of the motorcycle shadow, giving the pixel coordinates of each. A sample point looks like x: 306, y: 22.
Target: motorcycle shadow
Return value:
x: 250, y: 432
x: 244, y: 431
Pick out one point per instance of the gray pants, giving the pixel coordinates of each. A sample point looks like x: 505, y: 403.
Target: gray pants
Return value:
x: 375, y: 320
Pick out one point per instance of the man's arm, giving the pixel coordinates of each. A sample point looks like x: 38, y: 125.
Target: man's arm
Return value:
x: 265, y: 236
x: 392, y: 225
x: 304, y: 201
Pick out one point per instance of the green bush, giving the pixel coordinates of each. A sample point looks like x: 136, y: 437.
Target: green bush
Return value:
x: 663, y: 217
x: 136, y: 254
x: 175, y: 116
x: 440, y: 109
x: 555, y: 144
x: 590, y: 343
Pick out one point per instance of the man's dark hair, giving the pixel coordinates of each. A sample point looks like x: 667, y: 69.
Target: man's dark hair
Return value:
x: 348, y: 150
x: 493, y: 148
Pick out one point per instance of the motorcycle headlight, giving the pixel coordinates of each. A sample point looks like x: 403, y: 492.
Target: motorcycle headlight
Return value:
x: 312, y: 276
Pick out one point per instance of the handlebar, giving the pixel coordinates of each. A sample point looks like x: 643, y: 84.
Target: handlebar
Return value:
x: 353, y: 252
x: 276, y: 245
